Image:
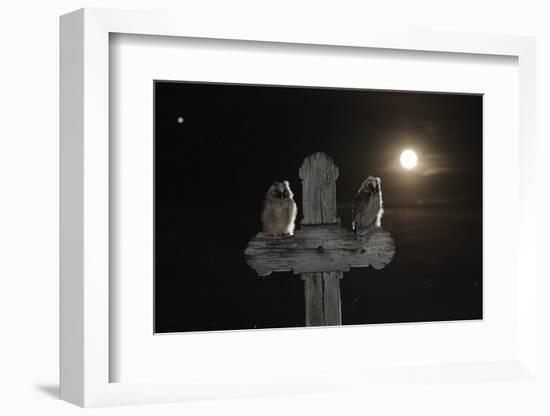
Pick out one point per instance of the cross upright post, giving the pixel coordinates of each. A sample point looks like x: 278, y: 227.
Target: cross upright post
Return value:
x: 322, y: 289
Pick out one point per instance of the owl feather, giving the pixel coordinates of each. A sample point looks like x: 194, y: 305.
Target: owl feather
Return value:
x: 279, y: 212
x: 367, y: 206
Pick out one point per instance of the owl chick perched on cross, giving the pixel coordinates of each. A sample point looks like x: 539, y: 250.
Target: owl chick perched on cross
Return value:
x: 368, y: 207
x: 279, y: 211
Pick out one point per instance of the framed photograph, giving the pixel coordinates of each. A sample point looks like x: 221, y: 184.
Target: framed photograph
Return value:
x: 237, y: 208
x: 427, y: 149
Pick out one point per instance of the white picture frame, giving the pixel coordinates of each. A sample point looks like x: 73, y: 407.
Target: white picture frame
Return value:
x: 85, y: 221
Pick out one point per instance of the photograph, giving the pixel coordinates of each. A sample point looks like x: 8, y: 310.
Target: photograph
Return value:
x: 282, y: 206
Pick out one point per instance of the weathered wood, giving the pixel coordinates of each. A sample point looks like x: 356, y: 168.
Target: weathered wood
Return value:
x: 331, y: 298
x: 380, y: 248
x: 318, y: 174
x: 322, y: 298
x: 319, y: 248
x: 314, y: 299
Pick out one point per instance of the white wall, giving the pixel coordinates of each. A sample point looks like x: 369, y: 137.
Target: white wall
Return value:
x: 29, y: 198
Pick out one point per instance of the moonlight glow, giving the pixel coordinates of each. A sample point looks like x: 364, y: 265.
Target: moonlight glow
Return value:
x: 408, y: 159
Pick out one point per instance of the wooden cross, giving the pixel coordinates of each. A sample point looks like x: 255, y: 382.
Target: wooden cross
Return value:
x: 321, y: 251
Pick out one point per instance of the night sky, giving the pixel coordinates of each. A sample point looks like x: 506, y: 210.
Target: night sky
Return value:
x: 218, y: 147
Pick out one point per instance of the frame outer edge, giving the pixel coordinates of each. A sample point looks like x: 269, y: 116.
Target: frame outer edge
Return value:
x: 527, y: 264
x: 71, y: 208
x: 95, y: 207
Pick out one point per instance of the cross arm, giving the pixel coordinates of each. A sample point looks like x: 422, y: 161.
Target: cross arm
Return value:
x: 319, y: 248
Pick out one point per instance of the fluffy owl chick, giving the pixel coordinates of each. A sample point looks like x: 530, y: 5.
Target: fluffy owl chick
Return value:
x: 280, y: 210
x: 367, y: 207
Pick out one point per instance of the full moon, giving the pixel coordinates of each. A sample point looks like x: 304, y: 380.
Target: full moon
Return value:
x: 408, y: 159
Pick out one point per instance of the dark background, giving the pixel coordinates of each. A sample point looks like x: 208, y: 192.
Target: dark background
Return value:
x: 212, y: 172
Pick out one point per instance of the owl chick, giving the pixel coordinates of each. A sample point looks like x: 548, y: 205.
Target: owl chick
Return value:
x: 367, y: 207
x: 280, y: 210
